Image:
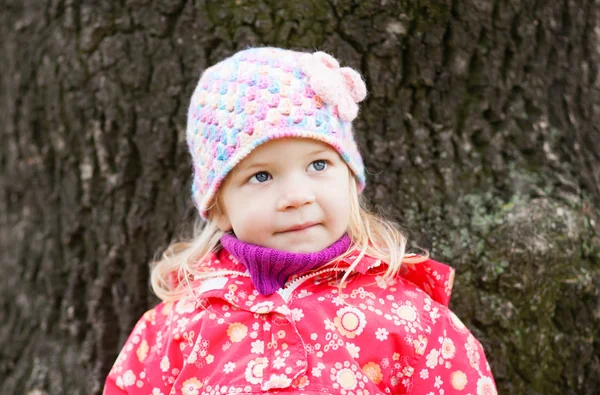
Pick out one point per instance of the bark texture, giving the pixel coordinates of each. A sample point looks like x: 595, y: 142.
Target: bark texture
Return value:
x: 479, y: 133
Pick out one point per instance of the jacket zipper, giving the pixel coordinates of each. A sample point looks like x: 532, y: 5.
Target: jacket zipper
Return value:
x: 287, y: 289
x: 221, y: 274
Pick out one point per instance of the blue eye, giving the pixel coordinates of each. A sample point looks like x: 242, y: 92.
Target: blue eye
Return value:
x: 260, y: 177
x: 319, y: 165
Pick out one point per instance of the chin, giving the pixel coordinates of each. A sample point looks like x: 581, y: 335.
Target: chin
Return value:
x: 302, y: 242
x: 303, y: 248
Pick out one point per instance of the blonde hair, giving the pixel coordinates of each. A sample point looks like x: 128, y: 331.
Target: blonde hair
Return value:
x: 370, y: 234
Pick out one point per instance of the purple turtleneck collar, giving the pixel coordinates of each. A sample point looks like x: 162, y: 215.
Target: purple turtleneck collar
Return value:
x: 269, y: 269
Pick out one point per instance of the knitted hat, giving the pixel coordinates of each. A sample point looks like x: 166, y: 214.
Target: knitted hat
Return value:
x: 260, y: 94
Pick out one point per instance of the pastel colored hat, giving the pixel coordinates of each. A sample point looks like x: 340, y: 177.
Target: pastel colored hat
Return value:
x: 260, y: 94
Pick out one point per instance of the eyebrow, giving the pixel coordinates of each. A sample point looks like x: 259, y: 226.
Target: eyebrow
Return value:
x: 255, y: 165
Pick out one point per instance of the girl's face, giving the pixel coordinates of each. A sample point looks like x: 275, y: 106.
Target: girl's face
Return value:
x: 289, y: 194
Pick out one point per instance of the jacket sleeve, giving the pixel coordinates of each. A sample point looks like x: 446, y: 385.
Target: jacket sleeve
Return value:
x: 146, y: 363
x: 453, y: 361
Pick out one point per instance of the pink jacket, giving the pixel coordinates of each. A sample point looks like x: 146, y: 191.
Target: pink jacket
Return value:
x: 305, y: 338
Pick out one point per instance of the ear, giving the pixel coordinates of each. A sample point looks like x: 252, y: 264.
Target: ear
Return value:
x: 223, y: 222
x: 220, y: 217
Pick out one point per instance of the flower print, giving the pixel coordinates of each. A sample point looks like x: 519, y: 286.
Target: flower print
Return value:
x: 165, y: 364
x: 373, y: 371
x: 472, y: 352
x: 210, y: 359
x: 406, y: 312
x: 283, y: 310
x: 316, y: 372
x: 350, y: 321
x: 424, y: 374
x: 434, y: 315
x: 485, y: 386
x: 432, y: 358
x: 301, y: 382
x: 309, y: 348
x: 254, y: 370
x: 278, y: 381
x: 181, y: 323
x: 297, y: 314
x: 353, y: 349
x: 279, y: 363
x: 129, y: 378
x: 346, y: 379
x: 427, y: 306
x: 438, y: 382
x: 157, y: 391
x: 448, y: 349
x: 458, y: 380
x: 381, y: 334
x: 258, y: 347
x: 237, y: 332
x: 303, y: 294
x: 262, y: 307
x: 135, y: 339
x: 385, y: 363
x: 229, y: 367
x: 191, y: 386
x: 193, y: 357
x: 420, y: 345
x: 408, y: 371
x: 142, y: 351
x: 329, y: 326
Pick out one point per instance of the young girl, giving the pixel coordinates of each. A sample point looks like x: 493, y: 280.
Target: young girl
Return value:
x: 291, y: 286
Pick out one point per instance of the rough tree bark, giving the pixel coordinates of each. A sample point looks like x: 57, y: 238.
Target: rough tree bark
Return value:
x: 480, y: 135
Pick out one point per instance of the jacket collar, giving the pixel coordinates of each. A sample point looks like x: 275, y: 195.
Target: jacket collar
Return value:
x: 433, y: 277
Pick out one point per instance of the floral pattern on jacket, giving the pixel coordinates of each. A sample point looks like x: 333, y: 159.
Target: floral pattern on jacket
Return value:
x: 375, y: 338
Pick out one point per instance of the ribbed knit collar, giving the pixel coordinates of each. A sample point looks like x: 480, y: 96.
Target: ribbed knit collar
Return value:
x: 269, y: 268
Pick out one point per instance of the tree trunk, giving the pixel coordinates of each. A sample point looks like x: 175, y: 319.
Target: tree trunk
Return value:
x: 479, y: 134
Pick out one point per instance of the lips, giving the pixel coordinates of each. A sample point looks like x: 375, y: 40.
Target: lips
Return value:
x: 297, y: 228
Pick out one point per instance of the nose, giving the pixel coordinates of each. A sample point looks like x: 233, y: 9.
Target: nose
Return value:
x: 295, y: 196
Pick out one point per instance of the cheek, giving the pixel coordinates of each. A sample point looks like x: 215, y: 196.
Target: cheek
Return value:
x: 250, y: 216
x: 337, y: 201
x: 341, y: 208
